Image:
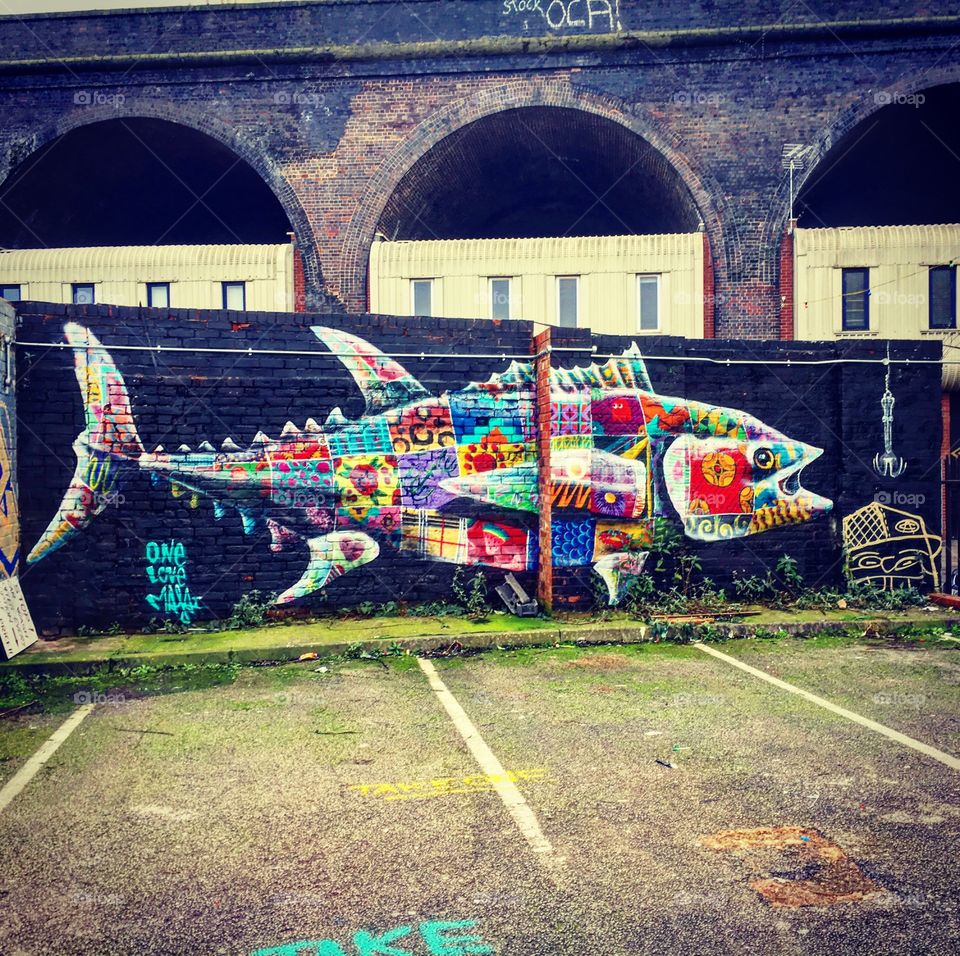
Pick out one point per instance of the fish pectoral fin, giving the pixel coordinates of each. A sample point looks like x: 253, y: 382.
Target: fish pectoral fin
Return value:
x: 618, y: 569
x: 331, y: 555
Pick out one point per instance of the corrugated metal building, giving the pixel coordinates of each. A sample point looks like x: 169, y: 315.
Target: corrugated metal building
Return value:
x: 887, y: 282
x: 255, y: 277
x: 612, y: 284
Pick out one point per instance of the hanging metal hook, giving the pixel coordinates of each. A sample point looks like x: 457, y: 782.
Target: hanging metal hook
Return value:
x: 888, y: 465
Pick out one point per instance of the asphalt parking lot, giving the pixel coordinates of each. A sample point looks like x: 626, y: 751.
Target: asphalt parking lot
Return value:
x: 642, y: 799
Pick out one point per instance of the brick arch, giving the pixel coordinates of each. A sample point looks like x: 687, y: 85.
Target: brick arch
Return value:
x: 231, y: 138
x: 518, y: 94
x: 851, y: 116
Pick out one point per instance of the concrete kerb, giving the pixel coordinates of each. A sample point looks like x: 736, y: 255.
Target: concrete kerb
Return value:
x: 583, y: 635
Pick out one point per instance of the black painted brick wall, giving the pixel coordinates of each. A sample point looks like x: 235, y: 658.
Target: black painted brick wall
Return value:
x: 99, y: 577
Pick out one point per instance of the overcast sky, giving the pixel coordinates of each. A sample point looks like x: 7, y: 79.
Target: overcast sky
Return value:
x: 57, y: 6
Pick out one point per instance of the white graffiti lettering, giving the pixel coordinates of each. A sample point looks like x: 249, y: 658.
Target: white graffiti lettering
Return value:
x: 591, y: 15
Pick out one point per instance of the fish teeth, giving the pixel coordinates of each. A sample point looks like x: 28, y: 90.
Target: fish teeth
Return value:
x: 206, y: 446
x: 311, y: 427
x: 158, y: 450
x: 290, y: 431
x: 229, y: 444
x: 184, y: 450
x: 336, y: 417
x: 260, y: 439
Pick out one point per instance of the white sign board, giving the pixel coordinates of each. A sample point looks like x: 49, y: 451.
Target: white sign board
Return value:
x: 16, y: 626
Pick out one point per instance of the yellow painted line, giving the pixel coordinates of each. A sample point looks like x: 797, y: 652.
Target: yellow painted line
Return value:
x: 510, y: 794
x: 442, y: 786
x: 29, y: 770
x: 917, y: 745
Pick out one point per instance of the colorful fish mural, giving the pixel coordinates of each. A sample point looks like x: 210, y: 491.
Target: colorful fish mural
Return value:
x: 621, y: 459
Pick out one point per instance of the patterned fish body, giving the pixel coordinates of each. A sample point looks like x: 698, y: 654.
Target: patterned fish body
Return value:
x: 621, y: 458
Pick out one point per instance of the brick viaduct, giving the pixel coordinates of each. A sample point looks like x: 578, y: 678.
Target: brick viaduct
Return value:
x: 353, y: 111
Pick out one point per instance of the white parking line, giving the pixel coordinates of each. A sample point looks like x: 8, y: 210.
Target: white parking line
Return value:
x: 511, y: 796
x: 27, y: 772
x: 917, y: 745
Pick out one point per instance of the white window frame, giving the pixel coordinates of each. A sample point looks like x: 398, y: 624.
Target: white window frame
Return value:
x: 658, y: 277
x: 433, y: 295
x: 576, y: 324
x: 510, y: 304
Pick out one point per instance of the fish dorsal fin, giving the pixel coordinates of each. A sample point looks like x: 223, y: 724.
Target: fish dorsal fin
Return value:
x: 385, y: 383
x: 624, y: 371
x: 517, y: 376
x: 336, y: 418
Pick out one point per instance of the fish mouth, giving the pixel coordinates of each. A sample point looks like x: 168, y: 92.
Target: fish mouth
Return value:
x: 789, y: 480
x: 790, y: 485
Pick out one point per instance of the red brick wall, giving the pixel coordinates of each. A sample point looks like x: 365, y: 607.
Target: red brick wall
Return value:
x: 786, y: 286
x: 709, y: 316
x: 299, y: 283
x: 541, y: 365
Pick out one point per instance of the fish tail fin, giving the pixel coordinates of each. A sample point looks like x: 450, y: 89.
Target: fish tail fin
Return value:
x: 106, y: 449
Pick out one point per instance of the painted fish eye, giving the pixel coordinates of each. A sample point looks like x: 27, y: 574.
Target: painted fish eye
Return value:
x: 763, y: 458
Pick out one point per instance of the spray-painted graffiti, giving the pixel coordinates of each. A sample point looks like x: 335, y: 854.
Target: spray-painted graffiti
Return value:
x: 622, y: 458
x: 167, y: 571
x: 445, y: 786
x: 586, y: 15
x: 439, y: 937
x: 9, y: 512
x: 890, y: 548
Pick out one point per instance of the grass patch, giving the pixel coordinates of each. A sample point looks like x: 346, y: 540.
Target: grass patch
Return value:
x: 56, y: 693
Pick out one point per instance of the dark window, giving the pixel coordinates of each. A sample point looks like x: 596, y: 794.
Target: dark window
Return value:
x: 567, y: 301
x: 235, y: 296
x: 10, y: 292
x: 158, y: 295
x: 499, y: 298
x: 856, y: 300
x: 943, y: 297
x: 83, y: 293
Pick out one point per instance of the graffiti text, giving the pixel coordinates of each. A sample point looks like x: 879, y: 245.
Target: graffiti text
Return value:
x: 167, y: 567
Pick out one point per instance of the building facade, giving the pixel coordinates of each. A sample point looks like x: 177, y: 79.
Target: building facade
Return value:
x: 339, y: 121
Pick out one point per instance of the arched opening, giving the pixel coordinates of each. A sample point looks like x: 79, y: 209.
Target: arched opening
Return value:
x: 877, y: 246
x: 539, y: 171
x: 137, y: 181
x: 551, y: 214
x: 897, y: 167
